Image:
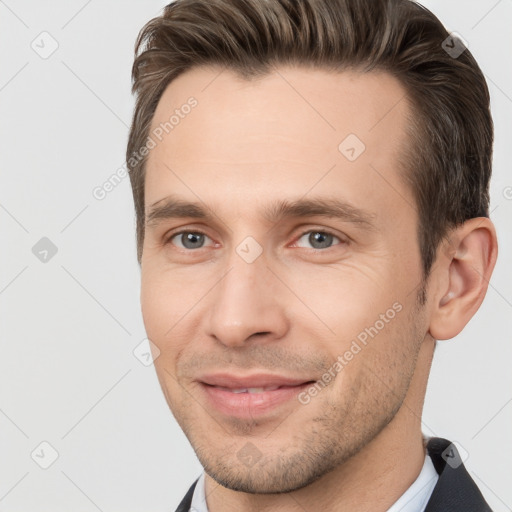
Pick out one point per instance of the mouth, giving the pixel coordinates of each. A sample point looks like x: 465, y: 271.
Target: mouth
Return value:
x: 250, y: 390
x: 250, y: 396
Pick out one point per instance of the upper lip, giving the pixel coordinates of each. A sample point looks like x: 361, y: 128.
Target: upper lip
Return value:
x: 257, y: 380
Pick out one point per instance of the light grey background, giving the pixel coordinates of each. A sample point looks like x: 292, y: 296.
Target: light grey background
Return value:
x: 68, y: 375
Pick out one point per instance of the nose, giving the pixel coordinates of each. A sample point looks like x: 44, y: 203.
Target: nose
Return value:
x: 247, y: 304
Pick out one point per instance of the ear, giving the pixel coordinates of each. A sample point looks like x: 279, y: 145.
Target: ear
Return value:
x: 461, y: 275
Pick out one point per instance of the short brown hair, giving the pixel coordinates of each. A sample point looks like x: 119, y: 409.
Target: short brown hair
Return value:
x: 447, y: 164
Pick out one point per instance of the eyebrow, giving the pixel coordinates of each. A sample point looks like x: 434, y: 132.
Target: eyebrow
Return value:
x: 172, y: 207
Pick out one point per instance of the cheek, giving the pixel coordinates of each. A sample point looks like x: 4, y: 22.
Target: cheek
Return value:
x: 159, y: 300
x: 364, y: 322
x: 152, y: 303
x: 344, y: 299
x: 167, y: 305
x: 378, y: 362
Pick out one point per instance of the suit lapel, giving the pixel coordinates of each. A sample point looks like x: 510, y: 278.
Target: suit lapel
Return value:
x: 186, y: 502
x: 455, y: 490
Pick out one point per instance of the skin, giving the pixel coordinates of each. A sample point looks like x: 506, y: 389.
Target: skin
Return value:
x: 357, y: 445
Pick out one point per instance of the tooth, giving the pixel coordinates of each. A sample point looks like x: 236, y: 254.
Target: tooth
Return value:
x: 250, y: 390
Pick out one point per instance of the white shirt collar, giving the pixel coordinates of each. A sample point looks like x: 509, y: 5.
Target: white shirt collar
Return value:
x: 414, y: 499
x: 198, y: 498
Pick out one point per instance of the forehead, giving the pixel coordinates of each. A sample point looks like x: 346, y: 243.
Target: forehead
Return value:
x: 291, y: 131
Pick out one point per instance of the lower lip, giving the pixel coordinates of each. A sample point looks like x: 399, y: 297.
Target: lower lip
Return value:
x: 249, y: 405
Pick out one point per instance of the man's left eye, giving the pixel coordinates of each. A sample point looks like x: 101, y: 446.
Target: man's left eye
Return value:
x: 319, y: 239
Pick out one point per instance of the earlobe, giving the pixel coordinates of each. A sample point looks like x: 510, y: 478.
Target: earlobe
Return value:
x: 463, y: 275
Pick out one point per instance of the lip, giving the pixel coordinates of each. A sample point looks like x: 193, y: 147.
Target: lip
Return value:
x: 219, y: 395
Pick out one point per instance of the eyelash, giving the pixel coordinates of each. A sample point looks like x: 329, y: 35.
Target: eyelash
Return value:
x: 314, y: 230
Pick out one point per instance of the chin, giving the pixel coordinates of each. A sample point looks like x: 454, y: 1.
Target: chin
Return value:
x: 273, y: 477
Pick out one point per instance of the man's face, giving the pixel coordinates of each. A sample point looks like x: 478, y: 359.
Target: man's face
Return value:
x: 322, y: 307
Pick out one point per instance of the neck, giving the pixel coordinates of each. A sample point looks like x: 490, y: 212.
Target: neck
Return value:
x: 373, y: 479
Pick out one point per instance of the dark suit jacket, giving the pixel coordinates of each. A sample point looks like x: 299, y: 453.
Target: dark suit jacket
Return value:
x: 455, y: 490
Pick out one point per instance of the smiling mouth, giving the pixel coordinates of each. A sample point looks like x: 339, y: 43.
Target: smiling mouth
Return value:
x: 260, y: 389
x: 251, y: 401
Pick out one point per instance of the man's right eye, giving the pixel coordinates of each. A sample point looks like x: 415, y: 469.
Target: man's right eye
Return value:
x: 188, y: 240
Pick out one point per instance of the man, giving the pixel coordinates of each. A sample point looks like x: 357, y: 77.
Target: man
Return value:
x: 311, y: 187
